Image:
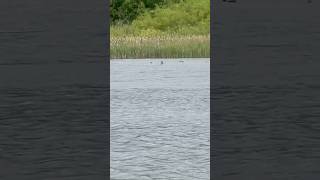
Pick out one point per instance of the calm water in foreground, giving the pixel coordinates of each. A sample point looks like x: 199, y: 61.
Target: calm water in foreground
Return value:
x: 160, y: 119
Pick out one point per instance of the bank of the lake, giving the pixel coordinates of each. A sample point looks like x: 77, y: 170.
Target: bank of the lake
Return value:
x: 160, y: 29
x: 162, y: 46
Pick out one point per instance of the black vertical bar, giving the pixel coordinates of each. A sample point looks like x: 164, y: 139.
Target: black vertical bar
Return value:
x: 54, y: 84
x: 265, y: 90
x: 212, y: 59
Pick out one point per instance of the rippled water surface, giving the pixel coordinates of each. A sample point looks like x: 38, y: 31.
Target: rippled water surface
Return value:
x: 160, y: 119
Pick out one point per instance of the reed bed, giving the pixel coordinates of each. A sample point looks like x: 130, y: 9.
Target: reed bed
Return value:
x: 162, y: 46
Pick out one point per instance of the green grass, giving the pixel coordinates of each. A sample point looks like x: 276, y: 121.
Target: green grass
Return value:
x: 180, y: 30
x: 164, y: 46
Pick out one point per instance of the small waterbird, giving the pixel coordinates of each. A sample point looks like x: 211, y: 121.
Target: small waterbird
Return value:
x: 161, y: 62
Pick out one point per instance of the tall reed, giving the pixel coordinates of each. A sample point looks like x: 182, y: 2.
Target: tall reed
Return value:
x: 160, y: 46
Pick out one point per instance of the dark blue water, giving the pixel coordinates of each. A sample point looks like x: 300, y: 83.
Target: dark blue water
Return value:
x: 53, y: 90
x: 266, y: 91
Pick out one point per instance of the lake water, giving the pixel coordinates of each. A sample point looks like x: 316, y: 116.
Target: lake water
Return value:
x: 160, y: 119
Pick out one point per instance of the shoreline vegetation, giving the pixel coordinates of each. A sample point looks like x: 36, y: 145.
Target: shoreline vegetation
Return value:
x: 171, y: 29
x: 164, y: 46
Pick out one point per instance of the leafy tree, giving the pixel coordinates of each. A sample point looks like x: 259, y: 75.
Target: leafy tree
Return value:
x: 185, y: 17
x: 125, y: 11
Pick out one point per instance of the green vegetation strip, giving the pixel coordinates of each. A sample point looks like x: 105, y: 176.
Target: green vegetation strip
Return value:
x: 160, y: 29
x: 194, y: 46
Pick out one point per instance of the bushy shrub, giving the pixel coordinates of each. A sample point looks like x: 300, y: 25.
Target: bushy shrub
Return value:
x: 189, y: 16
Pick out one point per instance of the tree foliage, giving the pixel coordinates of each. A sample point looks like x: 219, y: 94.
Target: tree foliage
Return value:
x: 125, y: 11
x: 152, y: 18
x: 190, y: 15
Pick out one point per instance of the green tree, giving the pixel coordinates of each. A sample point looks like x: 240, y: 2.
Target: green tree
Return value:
x: 184, y: 17
x: 125, y: 11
